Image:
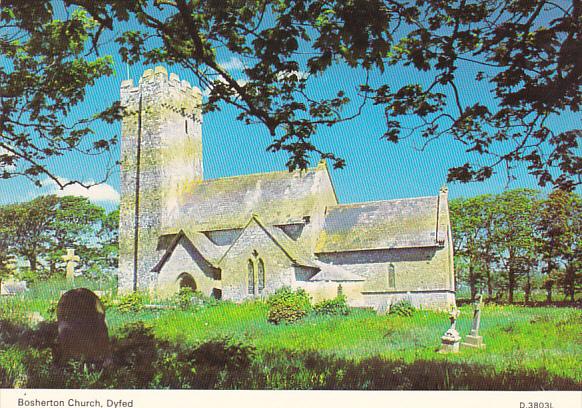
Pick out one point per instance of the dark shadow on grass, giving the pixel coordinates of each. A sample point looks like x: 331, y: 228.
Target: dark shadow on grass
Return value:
x: 142, y: 361
x: 558, y: 303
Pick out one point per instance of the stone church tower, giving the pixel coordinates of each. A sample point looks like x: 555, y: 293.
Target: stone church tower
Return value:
x: 161, y: 152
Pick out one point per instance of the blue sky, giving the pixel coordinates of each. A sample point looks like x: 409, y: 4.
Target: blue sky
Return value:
x: 375, y: 170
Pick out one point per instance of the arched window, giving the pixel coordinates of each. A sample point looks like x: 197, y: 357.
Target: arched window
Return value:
x: 261, y: 275
x: 251, y: 277
x: 391, y: 277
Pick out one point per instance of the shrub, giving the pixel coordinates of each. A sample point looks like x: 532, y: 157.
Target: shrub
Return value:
x: 288, y: 306
x: 402, y: 308
x: 224, y: 352
x: 186, y: 298
x: 183, y: 298
x: 337, y: 306
x: 107, y: 300
x: 131, y: 302
x: 135, y: 352
x: 51, y: 310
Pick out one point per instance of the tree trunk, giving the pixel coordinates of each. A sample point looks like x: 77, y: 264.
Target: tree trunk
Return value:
x: 472, y: 281
x: 548, y: 286
x: 511, y: 285
x: 32, y: 260
x: 527, y: 288
x: 570, y: 282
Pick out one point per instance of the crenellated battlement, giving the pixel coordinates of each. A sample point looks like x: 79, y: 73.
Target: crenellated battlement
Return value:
x: 156, y: 87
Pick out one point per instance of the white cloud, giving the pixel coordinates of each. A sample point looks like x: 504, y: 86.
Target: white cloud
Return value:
x: 281, y: 75
x: 233, y: 64
x: 99, y: 193
x: 4, y: 167
x: 206, y: 91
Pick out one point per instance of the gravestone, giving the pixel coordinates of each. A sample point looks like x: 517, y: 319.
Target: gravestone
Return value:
x: 451, y: 339
x: 82, y: 332
x: 12, y: 288
x: 72, y: 261
x: 473, y: 339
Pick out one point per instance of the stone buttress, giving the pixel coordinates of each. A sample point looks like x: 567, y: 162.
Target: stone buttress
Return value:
x: 161, y: 150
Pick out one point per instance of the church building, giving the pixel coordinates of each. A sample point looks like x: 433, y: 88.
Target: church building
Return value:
x: 245, y: 236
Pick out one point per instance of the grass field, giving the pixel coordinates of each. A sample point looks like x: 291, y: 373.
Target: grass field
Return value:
x: 542, y: 342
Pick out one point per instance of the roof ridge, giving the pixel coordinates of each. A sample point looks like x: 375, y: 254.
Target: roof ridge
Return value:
x: 317, y: 168
x: 381, y: 201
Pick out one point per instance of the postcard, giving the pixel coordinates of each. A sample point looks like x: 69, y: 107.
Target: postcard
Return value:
x: 289, y: 195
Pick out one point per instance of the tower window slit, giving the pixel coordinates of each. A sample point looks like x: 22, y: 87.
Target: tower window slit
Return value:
x: 391, y: 277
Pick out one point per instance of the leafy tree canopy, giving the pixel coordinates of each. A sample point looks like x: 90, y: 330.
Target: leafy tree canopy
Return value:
x: 511, y: 239
x: 40, y: 231
x: 528, y: 52
x: 45, y: 71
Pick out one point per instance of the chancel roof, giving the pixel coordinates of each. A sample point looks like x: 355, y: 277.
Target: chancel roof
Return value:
x: 403, y: 223
x: 280, y: 197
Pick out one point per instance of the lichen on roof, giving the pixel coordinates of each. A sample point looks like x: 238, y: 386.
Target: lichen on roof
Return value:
x: 278, y: 197
x: 399, y: 223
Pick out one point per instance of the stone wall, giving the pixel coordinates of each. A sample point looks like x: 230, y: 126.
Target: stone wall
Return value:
x: 254, y: 243
x: 416, y: 270
x: 328, y: 290
x: 325, y: 193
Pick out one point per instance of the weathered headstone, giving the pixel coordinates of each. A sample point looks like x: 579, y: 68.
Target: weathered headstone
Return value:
x: 72, y: 261
x: 12, y: 288
x: 82, y: 332
x: 451, y: 338
x: 473, y: 339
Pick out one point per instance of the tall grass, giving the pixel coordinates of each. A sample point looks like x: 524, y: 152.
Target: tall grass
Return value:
x: 536, y: 342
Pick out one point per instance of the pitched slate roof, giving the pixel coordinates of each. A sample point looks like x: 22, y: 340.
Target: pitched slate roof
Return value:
x: 209, y: 252
x: 403, y: 223
x: 278, y: 198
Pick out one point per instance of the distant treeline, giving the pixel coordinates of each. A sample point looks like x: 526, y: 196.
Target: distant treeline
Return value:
x: 34, y: 235
x: 518, y: 241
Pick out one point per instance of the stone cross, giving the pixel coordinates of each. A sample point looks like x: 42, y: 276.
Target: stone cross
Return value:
x: 451, y: 339
x: 476, y: 315
x: 473, y: 339
x: 453, y: 316
x: 72, y: 260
